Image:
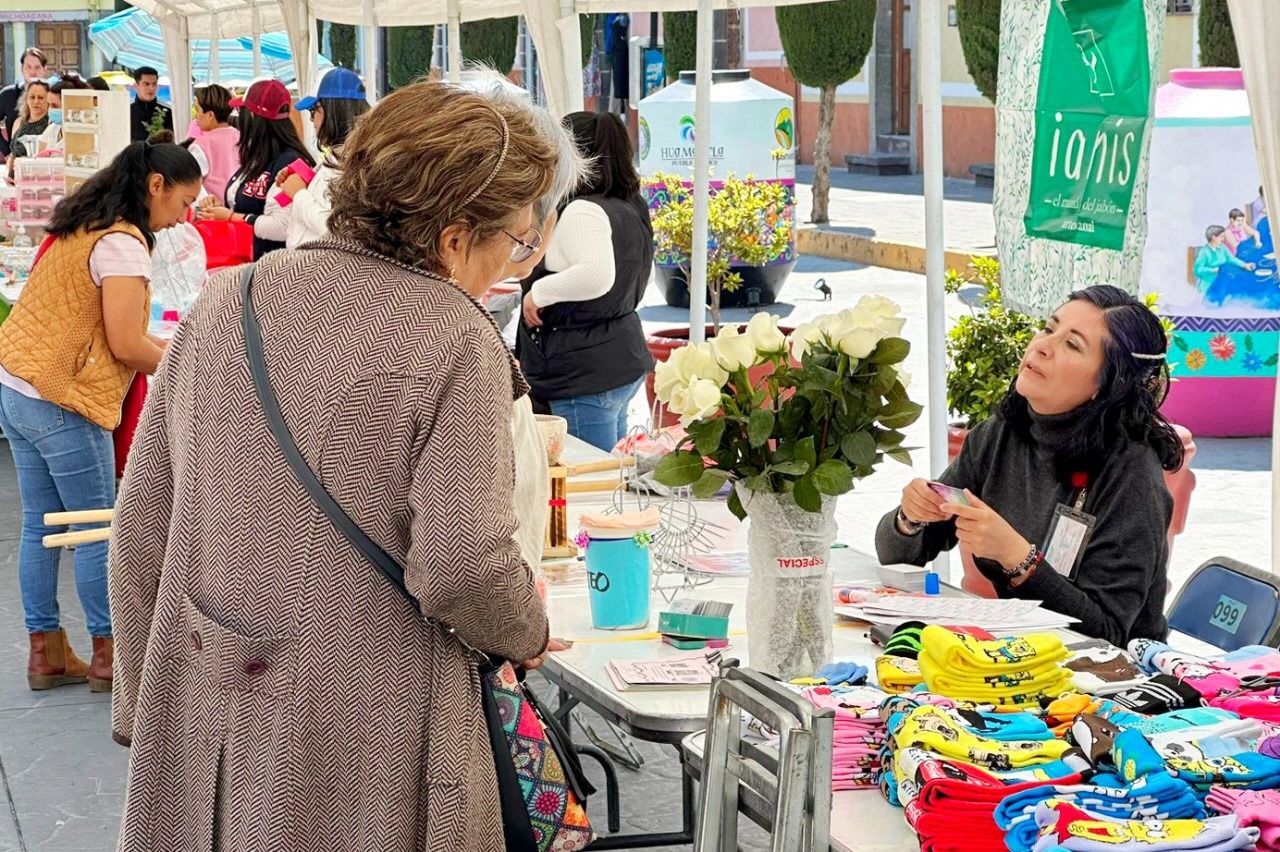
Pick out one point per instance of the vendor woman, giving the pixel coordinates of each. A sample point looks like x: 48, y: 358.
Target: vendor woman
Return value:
x: 1066, y: 501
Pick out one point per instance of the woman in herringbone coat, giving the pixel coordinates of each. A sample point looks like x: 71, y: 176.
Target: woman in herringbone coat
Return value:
x: 276, y: 691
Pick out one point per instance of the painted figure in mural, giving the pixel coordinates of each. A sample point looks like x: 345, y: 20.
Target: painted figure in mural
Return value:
x: 1214, y: 255
x: 1238, y: 231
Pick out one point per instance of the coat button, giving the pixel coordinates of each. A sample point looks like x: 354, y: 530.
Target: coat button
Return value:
x: 196, y: 641
x: 255, y: 667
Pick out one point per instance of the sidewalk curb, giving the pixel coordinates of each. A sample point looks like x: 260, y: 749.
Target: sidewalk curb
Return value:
x: 868, y: 251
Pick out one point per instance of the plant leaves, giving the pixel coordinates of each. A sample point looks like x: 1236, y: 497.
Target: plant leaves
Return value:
x: 807, y: 495
x: 900, y: 455
x: 891, y: 350
x: 896, y: 415
x: 735, y: 505
x: 891, y: 438
x: 859, y: 448
x: 709, y: 485
x: 760, y: 427
x: 1248, y: 343
x: 707, y: 434
x: 678, y: 469
x: 1271, y: 362
x: 1180, y: 343
x: 806, y: 450
x: 791, y: 468
x: 832, y: 477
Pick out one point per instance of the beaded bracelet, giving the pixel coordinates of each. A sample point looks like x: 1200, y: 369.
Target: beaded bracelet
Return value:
x: 1034, y: 558
x: 913, y: 527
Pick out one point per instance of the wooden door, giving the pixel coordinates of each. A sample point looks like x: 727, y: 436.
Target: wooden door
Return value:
x: 61, y: 46
x: 903, y: 38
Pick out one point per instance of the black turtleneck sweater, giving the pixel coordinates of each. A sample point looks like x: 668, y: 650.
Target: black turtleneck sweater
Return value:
x: 1118, y: 592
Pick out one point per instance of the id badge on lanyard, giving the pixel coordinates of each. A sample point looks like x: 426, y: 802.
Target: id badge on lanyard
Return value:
x: 1069, y: 534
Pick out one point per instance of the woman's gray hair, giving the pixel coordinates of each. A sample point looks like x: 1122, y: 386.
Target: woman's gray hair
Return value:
x: 571, y: 166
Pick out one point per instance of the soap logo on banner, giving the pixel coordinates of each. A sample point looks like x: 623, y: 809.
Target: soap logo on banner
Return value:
x: 687, y: 129
x: 1092, y: 111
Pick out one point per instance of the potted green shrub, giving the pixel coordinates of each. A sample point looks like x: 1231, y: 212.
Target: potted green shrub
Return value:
x: 984, y: 349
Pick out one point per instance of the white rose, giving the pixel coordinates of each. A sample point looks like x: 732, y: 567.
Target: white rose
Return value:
x: 859, y: 342
x: 878, y: 306
x: 733, y: 350
x: 701, y: 363
x: 671, y: 374
x: 701, y: 400
x: 763, y: 332
x: 805, y: 335
x: 891, y: 326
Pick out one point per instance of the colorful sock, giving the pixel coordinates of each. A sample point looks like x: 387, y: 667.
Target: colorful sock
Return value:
x: 930, y: 728
x: 897, y: 674
x: 1065, y: 825
x: 1134, y: 757
x: 1176, y: 720
x: 1094, y: 736
x: 905, y: 641
x: 1159, y: 695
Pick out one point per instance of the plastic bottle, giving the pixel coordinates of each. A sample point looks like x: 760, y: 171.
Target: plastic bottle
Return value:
x: 20, y: 237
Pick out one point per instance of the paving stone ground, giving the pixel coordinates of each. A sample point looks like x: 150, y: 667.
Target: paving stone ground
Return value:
x: 62, y: 778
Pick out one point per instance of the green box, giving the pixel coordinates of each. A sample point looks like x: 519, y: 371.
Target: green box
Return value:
x: 691, y: 626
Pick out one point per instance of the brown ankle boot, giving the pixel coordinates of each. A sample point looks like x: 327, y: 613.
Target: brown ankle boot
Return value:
x: 76, y: 667
x: 47, y: 661
x: 104, y: 652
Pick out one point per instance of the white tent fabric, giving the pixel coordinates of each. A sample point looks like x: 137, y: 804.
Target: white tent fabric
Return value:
x: 235, y: 17
x: 177, y: 48
x: 1255, y: 25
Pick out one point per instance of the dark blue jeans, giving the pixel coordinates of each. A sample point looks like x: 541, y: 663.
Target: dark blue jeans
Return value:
x: 64, y: 463
x: 600, y: 419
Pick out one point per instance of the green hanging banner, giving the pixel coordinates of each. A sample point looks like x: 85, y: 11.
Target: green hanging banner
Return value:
x: 1092, y: 114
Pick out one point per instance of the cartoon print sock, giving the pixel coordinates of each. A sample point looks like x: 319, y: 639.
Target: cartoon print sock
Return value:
x: 1176, y: 720
x: 1078, y: 831
x: 1134, y: 757
x: 965, y: 653
x: 897, y: 674
x: 905, y: 641
x: 1094, y: 736
x: 930, y: 728
x: 1257, y: 808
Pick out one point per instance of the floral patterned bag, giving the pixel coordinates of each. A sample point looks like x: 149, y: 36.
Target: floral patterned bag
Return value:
x: 541, y: 787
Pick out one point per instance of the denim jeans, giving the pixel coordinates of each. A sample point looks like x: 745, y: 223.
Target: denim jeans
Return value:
x: 64, y: 463
x: 600, y: 419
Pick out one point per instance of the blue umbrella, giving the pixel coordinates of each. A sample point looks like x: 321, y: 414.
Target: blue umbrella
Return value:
x: 132, y: 38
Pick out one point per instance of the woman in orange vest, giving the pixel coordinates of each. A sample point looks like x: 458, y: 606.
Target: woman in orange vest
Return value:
x: 68, y: 352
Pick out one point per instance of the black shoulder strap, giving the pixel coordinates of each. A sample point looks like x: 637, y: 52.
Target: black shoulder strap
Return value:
x: 376, y: 556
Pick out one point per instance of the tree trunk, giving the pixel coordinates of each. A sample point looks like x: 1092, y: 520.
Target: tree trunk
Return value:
x: 732, y: 38
x: 822, y: 155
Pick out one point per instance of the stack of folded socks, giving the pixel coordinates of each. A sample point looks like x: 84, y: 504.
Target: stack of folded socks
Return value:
x: 1099, y: 668
x: 994, y: 741
x: 1257, y: 808
x: 1066, y: 827
x: 859, y: 733
x: 1014, y: 672
x: 951, y: 805
x: 1154, y: 796
x: 898, y: 668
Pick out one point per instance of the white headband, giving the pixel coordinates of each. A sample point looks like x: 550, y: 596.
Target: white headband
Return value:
x: 1147, y: 356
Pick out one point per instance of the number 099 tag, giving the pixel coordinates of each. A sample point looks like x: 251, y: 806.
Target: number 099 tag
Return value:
x: 1227, y: 614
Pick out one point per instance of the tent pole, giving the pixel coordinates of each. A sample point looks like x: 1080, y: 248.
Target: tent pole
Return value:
x: 929, y: 49
x: 701, y: 174
x: 370, y: 69
x: 257, y: 43
x: 454, y: 41
x: 215, y: 44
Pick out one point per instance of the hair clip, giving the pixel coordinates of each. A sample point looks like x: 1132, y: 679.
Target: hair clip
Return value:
x: 1147, y: 356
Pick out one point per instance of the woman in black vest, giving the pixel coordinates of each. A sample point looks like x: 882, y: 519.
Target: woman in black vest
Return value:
x: 581, y: 344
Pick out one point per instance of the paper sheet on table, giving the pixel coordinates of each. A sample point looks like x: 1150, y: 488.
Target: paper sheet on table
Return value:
x: 1014, y: 616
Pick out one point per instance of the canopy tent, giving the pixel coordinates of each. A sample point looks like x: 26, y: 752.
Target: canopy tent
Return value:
x: 133, y: 38
x: 1255, y: 25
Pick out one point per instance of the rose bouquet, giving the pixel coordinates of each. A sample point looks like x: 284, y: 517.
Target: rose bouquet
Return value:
x: 829, y: 407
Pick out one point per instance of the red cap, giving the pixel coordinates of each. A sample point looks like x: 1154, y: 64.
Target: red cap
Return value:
x: 267, y: 99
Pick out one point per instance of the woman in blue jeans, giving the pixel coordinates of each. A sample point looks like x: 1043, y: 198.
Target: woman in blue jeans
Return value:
x: 581, y: 344
x: 68, y: 352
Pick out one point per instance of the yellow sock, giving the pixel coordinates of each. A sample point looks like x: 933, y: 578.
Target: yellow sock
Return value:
x: 932, y: 729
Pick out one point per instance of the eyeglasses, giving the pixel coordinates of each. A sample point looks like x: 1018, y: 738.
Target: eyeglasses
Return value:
x: 522, y: 250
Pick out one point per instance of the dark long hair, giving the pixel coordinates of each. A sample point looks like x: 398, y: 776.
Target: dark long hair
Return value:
x: 262, y: 140
x: 340, y: 116
x: 603, y: 136
x: 119, y: 192
x: 1130, y: 390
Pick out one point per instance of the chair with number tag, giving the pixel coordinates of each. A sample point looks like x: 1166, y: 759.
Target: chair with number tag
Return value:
x: 1229, y: 604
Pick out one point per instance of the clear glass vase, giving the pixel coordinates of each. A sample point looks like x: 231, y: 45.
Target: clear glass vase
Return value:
x: 790, y: 609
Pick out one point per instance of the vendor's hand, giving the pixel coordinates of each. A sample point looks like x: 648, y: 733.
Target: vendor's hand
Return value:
x: 985, y: 534
x: 536, y: 662
x: 921, y: 504
x: 555, y: 644
x: 292, y: 185
x: 207, y: 201
x: 532, y: 313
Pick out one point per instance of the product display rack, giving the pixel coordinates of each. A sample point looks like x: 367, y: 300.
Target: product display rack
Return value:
x: 95, y: 128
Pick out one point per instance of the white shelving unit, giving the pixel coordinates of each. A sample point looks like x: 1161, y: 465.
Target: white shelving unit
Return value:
x: 95, y: 129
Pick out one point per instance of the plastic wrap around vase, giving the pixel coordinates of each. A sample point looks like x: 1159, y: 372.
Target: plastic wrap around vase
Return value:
x: 1203, y: 166
x: 752, y: 133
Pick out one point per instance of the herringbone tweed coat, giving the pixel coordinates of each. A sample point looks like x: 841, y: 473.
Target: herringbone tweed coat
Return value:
x: 278, y: 692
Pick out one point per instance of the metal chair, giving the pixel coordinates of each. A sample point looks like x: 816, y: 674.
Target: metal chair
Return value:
x: 1229, y: 604
x: 788, y: 791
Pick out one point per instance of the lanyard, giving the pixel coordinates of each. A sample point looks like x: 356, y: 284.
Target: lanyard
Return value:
x: 1080, y: 481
